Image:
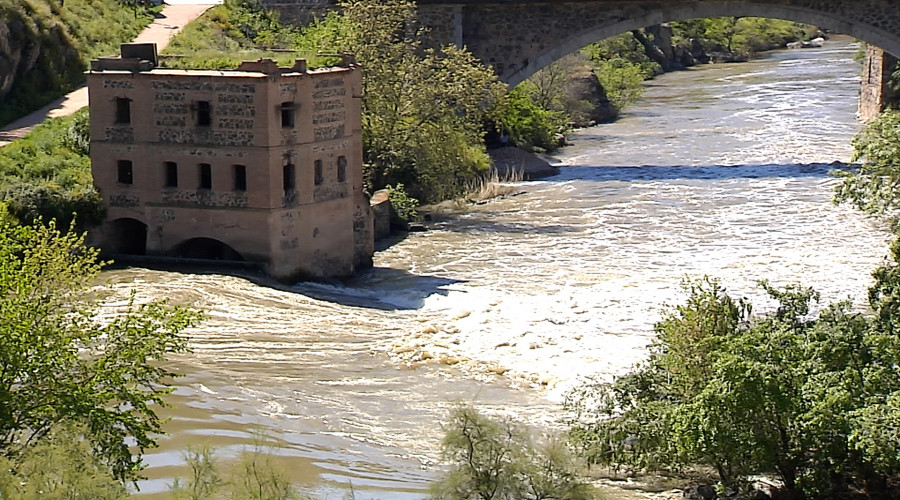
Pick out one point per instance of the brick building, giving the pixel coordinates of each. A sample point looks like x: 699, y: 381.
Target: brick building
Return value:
x: 260, y: 164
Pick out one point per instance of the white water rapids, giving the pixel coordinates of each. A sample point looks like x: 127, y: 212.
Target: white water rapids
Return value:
x: 718, y: 171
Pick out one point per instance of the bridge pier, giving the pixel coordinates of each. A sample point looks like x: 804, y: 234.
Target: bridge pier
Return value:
x: 875, y: 92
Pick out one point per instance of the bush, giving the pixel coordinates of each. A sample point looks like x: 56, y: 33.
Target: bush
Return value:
x: 497, y: 460
x: 61, y: 466
x: 529, y: 125
x: 253, y: 477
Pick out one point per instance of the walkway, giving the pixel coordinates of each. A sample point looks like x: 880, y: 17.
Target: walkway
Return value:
x: 174, y: 16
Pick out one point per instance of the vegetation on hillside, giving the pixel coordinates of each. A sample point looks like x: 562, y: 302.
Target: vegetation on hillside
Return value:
x: 63, y: 35
x: 741, y: 35
x: 47, y: 174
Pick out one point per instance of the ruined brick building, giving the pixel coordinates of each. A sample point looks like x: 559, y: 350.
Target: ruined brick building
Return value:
x: 260, y: 164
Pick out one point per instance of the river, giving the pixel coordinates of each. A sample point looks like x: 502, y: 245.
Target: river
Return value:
x: 719, y: 171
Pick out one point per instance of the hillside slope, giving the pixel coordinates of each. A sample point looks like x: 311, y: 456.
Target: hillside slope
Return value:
x: 45, y: 46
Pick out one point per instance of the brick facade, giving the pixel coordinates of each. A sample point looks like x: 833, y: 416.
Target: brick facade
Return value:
x: 260, y: 164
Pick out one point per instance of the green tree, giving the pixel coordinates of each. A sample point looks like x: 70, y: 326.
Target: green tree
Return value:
x: 810, y: 398
x: 62, y: 363
x: 874, y: 187
x: 423, y: 108
x: 530, y: 125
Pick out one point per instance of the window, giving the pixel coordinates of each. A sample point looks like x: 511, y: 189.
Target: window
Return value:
x: 342, y: 169
x: 126, y: 172
x: 204, y: 114
x: 240, y: 178
x: 289, y: 175
x: 287, y: 114
x: 171, y: 174
x: 319, y: 178
x: 205, y: 176
x: 123, y: 110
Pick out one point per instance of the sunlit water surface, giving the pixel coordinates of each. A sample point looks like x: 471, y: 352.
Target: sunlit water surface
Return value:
x: 719, y: 171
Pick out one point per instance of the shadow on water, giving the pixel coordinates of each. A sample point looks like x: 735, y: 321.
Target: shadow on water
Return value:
x: 381, y: 288
x: 366, y: 289
x: 603, y: 173
x: 487, y: 224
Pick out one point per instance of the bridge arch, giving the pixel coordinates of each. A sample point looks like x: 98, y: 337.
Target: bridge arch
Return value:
x: 206, y: 249
x: 551, y: 30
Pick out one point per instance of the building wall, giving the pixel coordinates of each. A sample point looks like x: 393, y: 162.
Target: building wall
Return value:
x: 268, y: 161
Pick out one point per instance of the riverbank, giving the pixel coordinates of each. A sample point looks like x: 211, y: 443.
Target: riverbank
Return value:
x: 515, y: 163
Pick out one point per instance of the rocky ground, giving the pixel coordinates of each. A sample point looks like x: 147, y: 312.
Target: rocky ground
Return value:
x: 515, y: 164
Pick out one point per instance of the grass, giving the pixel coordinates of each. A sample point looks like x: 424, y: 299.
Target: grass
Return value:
x: 68, y: 33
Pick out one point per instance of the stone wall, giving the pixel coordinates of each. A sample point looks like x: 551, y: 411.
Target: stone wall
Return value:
x: 519, y: 37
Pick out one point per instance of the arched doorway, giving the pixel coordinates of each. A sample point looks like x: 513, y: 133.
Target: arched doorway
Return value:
x: 206, y: 249
x: 126, y: 236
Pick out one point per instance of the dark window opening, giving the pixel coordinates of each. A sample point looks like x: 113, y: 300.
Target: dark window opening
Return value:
x: 205, y: 176
x: 126, y: 172
x: 123, y: 110
x: 126, y: 236
x: 171, y: 174
x: 287, y: 114
x: 342, y: 169
x: 240, y: 178
x: 289, y: 174
x: 319, y: 177
x: 205, y: 248
x: 204, y: 114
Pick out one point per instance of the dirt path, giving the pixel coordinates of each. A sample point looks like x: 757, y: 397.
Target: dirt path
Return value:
x: 174, y: 16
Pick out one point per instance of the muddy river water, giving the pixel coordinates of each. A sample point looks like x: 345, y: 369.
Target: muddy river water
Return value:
x: 719, y: 171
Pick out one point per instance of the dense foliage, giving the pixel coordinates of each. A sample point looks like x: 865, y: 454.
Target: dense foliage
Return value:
x: 744, y: 35
x: 64, y: 35
x: 810, y: 398
x: 62, y: 364
x: 48, y: 174
x: 531, y: 121
x: 874, y: 187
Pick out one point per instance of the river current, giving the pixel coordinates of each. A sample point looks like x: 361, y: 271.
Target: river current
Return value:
x: 718, y: 171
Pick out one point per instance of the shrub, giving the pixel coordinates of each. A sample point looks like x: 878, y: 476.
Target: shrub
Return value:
x: 493, y: 459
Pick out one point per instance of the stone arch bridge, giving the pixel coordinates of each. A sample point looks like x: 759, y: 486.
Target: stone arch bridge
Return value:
x: 519, y: 37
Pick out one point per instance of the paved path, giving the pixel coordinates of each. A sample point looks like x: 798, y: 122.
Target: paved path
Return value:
x: 174, y: 16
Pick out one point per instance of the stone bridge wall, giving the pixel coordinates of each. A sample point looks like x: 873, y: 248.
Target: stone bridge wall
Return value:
x: 519, y: 37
